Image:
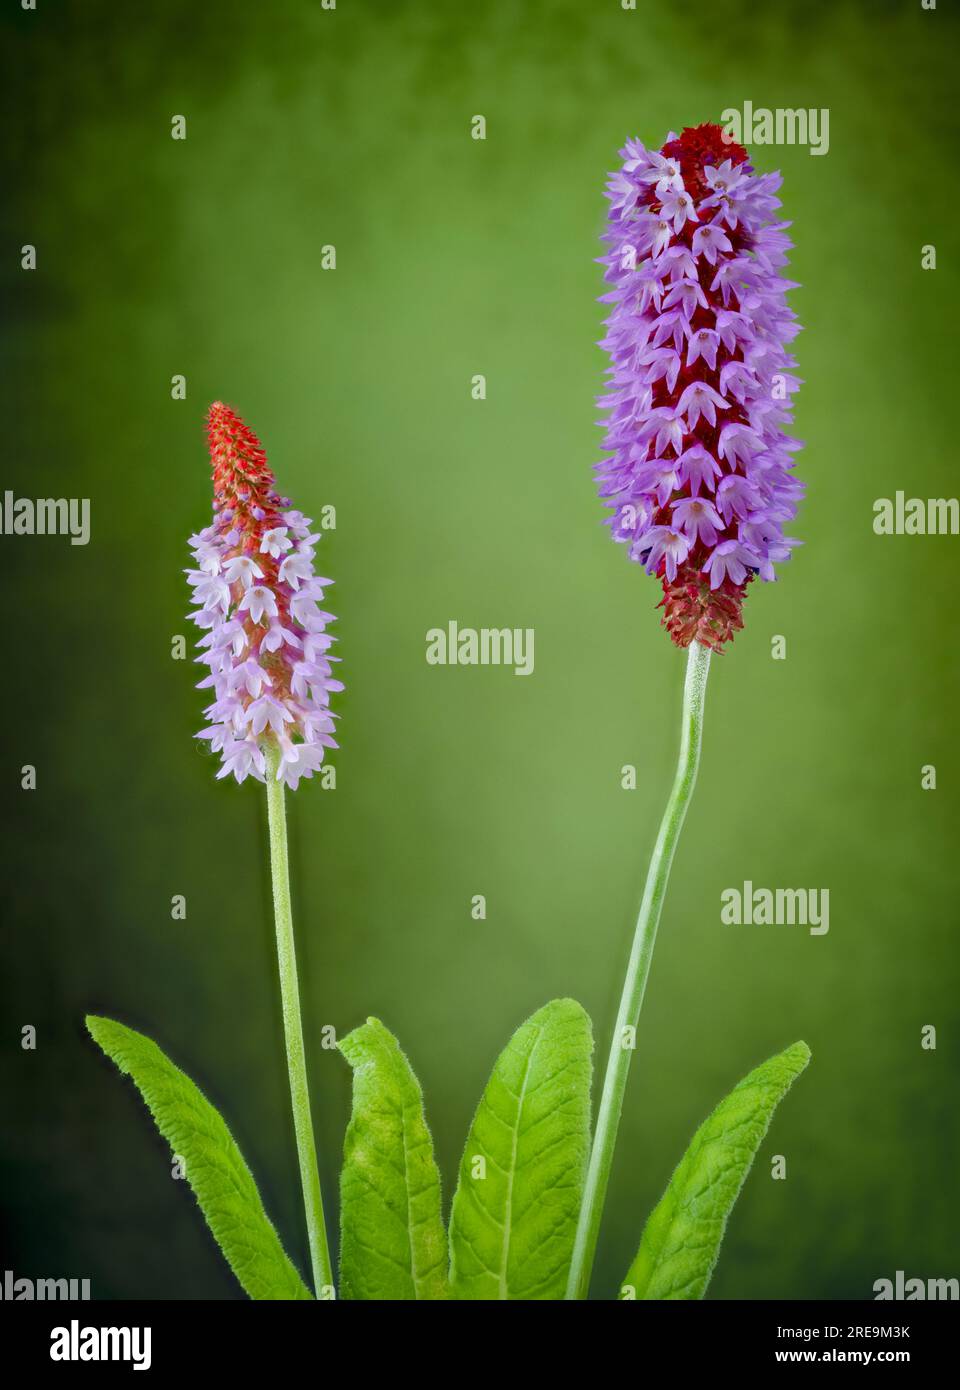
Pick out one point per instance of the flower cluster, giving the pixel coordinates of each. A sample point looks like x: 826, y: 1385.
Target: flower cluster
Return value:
x: 700, y: 479
x: 256, y: 595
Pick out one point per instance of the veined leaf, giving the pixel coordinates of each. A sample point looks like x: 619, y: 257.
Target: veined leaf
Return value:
x: 392, y: 1242
x: 215, y: 1168
x: 681, y: 1240
x: 514, y: 1213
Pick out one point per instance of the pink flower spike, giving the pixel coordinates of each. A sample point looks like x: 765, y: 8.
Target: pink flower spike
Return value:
x: 264, y: 636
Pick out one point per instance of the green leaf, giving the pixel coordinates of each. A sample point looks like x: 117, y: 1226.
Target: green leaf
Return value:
x: 392, y: 1241
x: 215, y: 1169
x: 681, y: 1240
x: 514, y: 1213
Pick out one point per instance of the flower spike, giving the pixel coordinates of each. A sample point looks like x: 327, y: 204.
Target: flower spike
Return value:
x: 701, y: 474
x: 256, y: 596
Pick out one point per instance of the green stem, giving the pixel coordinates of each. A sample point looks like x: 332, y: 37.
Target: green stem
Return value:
x: 293, y: 1031
x: 621, y: 1048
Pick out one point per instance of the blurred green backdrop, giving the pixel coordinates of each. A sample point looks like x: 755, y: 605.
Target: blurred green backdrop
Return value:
x: 351, y: 127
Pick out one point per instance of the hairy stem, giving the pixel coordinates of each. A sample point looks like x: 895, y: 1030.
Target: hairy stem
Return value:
x: 293, y: 1033
x: 638, y: 968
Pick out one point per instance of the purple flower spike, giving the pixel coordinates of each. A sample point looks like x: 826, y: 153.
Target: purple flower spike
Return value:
x: 701, y: 475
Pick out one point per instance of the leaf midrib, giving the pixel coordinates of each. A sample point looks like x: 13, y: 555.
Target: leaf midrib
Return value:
x: 411, y: 1227
x: 508, y: 1208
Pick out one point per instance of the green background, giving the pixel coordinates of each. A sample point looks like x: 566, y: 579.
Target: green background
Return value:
x: 455, y: 257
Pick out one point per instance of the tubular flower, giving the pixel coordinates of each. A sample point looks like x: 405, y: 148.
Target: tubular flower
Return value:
x: 256, y: 597
x: 700, y: 478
